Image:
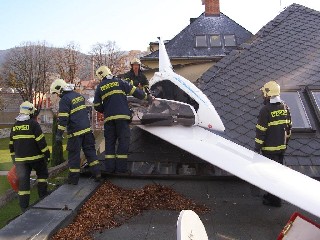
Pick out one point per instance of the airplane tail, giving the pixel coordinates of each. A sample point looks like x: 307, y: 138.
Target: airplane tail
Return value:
x: 164, y: 60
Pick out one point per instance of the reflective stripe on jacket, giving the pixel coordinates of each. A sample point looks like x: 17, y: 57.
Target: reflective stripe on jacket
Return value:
x: 27, y: 142
x: 273, y: 129
x: 111, y: 98
x: 73, y: 115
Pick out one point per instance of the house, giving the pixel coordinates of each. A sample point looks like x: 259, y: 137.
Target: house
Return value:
x: 87, y: 88
x: 286, y: 50
x: 205, y: 41
x: 11, y: 104
x: 10, y: 107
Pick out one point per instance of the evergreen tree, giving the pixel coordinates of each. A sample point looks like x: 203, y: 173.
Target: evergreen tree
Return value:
x: 57, y: 149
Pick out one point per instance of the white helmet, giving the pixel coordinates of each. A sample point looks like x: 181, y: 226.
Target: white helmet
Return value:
x: 58, y: 86
x: 27, y: 108
x: 271, y: 89
x: 135, y: 61
x: 103, y: 72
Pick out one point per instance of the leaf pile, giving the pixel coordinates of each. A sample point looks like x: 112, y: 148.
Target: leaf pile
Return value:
x: 111, y: 206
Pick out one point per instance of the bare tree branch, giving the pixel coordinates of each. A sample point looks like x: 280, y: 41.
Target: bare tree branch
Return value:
x: 26, y: 68
x: 69, y: 62
x: 109, y: 54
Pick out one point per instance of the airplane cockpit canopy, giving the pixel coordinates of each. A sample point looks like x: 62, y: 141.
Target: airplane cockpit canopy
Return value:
x: 166, y: 89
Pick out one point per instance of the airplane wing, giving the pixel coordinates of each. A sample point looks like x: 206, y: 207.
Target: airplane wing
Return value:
x: 254, y: 168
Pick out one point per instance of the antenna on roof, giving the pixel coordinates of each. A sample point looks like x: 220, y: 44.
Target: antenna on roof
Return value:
x: 280, y: 6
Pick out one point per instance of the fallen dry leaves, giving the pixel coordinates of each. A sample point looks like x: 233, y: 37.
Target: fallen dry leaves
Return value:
x: 111, y: 206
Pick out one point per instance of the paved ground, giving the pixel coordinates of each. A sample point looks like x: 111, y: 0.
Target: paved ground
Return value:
x: 237, y: 212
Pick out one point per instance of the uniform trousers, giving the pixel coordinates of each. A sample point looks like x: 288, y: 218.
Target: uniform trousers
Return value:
x: 86, y: 142
x: 117, y: 141
x: 23, y: 171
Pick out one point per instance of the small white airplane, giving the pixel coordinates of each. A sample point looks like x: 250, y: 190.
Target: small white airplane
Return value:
x: 199, y: 138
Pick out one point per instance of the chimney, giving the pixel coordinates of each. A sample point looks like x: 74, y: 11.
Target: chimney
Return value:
x: 212, y: 7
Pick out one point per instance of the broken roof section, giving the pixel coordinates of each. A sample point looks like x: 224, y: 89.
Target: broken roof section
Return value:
x: 287, y: 50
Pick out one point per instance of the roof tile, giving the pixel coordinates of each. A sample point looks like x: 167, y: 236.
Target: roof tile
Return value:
x: 286, y: 47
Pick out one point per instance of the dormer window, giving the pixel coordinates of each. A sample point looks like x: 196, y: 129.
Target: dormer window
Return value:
x: 201, y: 41
x: 229, y: 40
x: 215, y: 41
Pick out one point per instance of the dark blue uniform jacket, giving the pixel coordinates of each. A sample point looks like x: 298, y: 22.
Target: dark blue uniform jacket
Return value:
x: 111, y: 98
x: 73, y: 115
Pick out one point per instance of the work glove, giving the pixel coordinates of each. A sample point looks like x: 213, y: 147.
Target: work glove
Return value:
x: 150, y: 99
x: 58, y: 139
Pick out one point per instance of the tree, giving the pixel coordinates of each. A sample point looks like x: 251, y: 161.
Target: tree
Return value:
x: 1, y: 104
x: 27, y: 69
x: 1, y: 100
x: 68, y: 62
x: 57, y: 149
x: 108, y: 54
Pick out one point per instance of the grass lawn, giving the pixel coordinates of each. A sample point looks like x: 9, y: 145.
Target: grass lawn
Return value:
x: 6, y: 162
x: 12, y: 208
x: 5, y: 159
x: 4, y: 186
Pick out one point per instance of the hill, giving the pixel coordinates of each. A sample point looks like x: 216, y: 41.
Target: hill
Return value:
x: 3, y: 55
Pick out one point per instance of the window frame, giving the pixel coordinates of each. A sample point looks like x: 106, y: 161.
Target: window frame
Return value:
x: 235, y: 40
x: 316, y: 108
x: 215, y: 46
x: 206, y: 41
x: 311, y: 128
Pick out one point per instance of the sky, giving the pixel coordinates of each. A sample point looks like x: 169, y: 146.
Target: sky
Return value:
x: 132, y: 25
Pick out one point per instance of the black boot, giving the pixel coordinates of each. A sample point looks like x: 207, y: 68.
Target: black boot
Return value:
x: 98, y: 178
x: 73, y: 178
x: 24, y: 202
x: 96, y: 172
x: 42, y: 189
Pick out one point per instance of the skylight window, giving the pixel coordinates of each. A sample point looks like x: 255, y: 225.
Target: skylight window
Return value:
x: 215, y: 41
x: 229, y: 40
x: 300, y: 120
x: 201, y: 41
x: 314, y: 94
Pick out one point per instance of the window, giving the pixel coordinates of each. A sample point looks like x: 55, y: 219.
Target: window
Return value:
x: 215, y: 41
x: 314, y: 94
x: 300, y: 120
x: 201, y: 41
x: 229, y: 40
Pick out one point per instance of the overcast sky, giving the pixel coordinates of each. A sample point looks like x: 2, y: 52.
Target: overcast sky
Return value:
x: 131, y: 24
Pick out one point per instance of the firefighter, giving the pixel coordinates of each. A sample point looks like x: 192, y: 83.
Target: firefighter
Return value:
x: 29, y: 150
x: 73, y: 116
x: 273, y: 131
x: 135, y: 76
x: 111, y: 100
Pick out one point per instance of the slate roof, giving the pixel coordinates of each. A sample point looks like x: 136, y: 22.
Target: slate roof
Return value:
x: 286, y: 50
x: 183, y: 44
